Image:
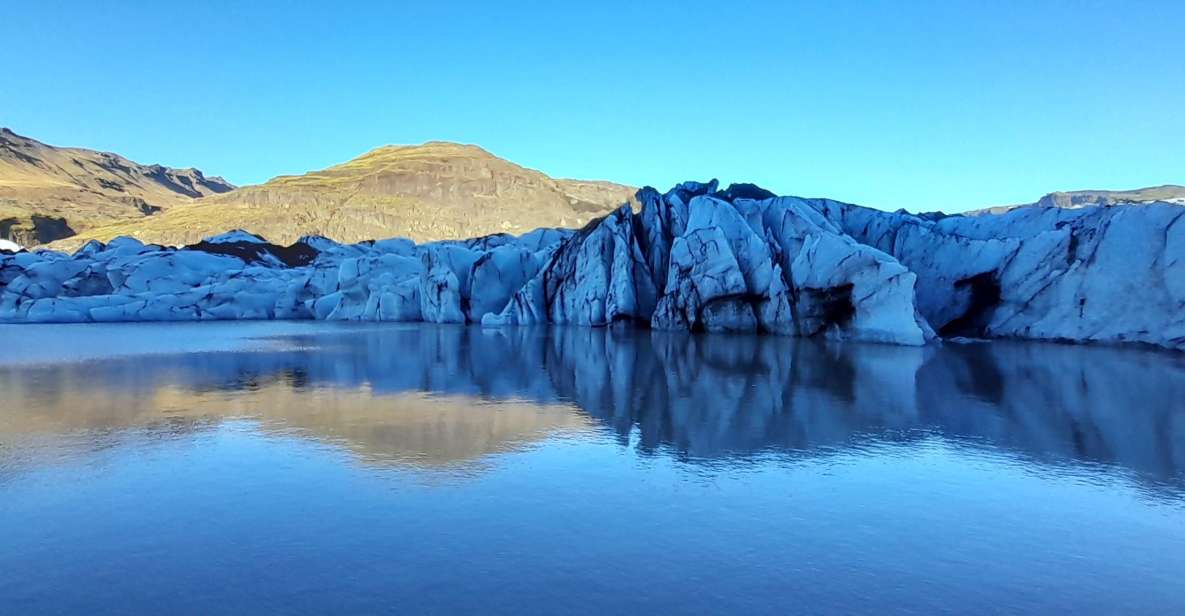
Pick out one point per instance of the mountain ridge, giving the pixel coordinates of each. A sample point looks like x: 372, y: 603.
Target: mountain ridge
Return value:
x: 1073, y: 199
x: 49, y: 192
x: 63, y: 196
x: 436, y: 190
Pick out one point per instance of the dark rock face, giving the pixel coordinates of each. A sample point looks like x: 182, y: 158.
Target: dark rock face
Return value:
x: 189, y: 182
x: 35, y: 230
x: 821, y: 309
x: 982, y: 293
x: 296, y: 255
x: 744, y: 191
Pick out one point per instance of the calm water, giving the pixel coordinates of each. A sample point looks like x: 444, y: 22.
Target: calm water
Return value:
x: 309, y: 468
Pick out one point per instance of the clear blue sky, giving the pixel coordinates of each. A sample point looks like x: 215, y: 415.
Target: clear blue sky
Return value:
x: 942, y: 105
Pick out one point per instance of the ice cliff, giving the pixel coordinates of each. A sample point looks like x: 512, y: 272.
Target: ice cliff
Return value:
x: 695, y: 258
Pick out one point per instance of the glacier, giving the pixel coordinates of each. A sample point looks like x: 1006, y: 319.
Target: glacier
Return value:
x: 695, y: 258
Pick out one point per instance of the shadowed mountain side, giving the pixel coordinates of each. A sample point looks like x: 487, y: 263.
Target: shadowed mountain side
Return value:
x: 427, y: 192
x: 704, y: 397
x: 48, y: 193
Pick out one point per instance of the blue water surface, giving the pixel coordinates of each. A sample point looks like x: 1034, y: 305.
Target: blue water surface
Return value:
x: 315, y: 468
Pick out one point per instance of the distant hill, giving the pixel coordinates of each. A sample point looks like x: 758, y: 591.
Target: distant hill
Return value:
x: 433, y: 191
x: 47, y: 192
x: 1170, y: 193
x: 1077, y: 198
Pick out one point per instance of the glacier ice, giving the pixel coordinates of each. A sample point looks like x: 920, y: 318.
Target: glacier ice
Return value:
x: 694, y: 258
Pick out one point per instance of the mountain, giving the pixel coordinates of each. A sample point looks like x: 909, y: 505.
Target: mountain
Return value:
x: 48, y: 193
x: 1086, y: 198
x: 426, y: 192
x: 1073, y: 199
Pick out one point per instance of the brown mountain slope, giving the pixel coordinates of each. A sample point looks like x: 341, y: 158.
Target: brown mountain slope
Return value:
x: 426, y: 192
x: 48, y: 192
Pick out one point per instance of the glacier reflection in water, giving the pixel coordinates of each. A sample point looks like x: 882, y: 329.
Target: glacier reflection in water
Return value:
x: 438, y: 468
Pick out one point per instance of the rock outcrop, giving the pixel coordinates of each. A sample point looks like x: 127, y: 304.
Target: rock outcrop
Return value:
x: 695, y: 258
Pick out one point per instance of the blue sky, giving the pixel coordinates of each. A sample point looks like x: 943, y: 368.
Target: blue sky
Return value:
x: 943, y: 105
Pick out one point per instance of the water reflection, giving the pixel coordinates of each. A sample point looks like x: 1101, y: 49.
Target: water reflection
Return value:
x: 435, y: 396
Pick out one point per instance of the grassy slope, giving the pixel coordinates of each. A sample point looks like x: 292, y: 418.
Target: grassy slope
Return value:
x: 429, y: 192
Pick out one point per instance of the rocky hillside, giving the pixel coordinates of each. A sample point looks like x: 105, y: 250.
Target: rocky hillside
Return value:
x: 1085, y: 198
x: 424, y: 192
x: 1073, y: 199
x: 48, y: 193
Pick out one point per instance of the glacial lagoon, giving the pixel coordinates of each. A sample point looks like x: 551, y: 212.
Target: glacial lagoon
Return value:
x: 332, y: 468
